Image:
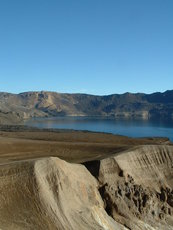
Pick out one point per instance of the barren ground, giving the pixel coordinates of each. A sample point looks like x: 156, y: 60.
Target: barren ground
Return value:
x: 122, y: 183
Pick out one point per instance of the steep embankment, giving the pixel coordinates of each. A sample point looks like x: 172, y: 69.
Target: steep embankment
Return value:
x: 132, y: 190
x: 16, y: 107
x: 51, y: 194
x: 137, y: 187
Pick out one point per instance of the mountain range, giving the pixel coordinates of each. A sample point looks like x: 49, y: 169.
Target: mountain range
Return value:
x: 14, y: 108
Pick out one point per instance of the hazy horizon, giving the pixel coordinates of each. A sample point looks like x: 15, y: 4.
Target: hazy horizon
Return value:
x: 86, y: 92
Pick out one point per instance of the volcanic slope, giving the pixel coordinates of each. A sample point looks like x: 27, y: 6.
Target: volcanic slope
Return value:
x: 137, y: 187
x: 130, y: 187
x: 51, y: 194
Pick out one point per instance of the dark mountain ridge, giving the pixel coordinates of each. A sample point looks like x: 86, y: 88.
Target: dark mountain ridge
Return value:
x: 15, y: 108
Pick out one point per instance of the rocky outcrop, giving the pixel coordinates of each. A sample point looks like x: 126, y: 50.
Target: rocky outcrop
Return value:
x: 137, y: 187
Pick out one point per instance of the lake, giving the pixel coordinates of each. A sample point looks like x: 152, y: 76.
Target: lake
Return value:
x: 127, y: 127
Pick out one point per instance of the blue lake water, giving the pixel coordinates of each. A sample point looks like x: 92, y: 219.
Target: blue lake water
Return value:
x: 127, y: 127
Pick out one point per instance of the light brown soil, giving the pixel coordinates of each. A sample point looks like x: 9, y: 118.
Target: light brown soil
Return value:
x: 124, y: 183
x: 74, y: 146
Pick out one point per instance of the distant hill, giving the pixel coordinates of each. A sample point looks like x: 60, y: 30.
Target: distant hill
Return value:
x: 15, y: 108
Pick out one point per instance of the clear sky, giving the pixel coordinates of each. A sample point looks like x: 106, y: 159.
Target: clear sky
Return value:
x: 90, y: 46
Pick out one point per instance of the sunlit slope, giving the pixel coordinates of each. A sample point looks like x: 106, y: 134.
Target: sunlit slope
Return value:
x: 51, y: 194
x: 118, y: 183
x: 17, y: 107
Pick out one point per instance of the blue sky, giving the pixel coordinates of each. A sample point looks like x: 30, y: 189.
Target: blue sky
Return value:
x: 90, y: 46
